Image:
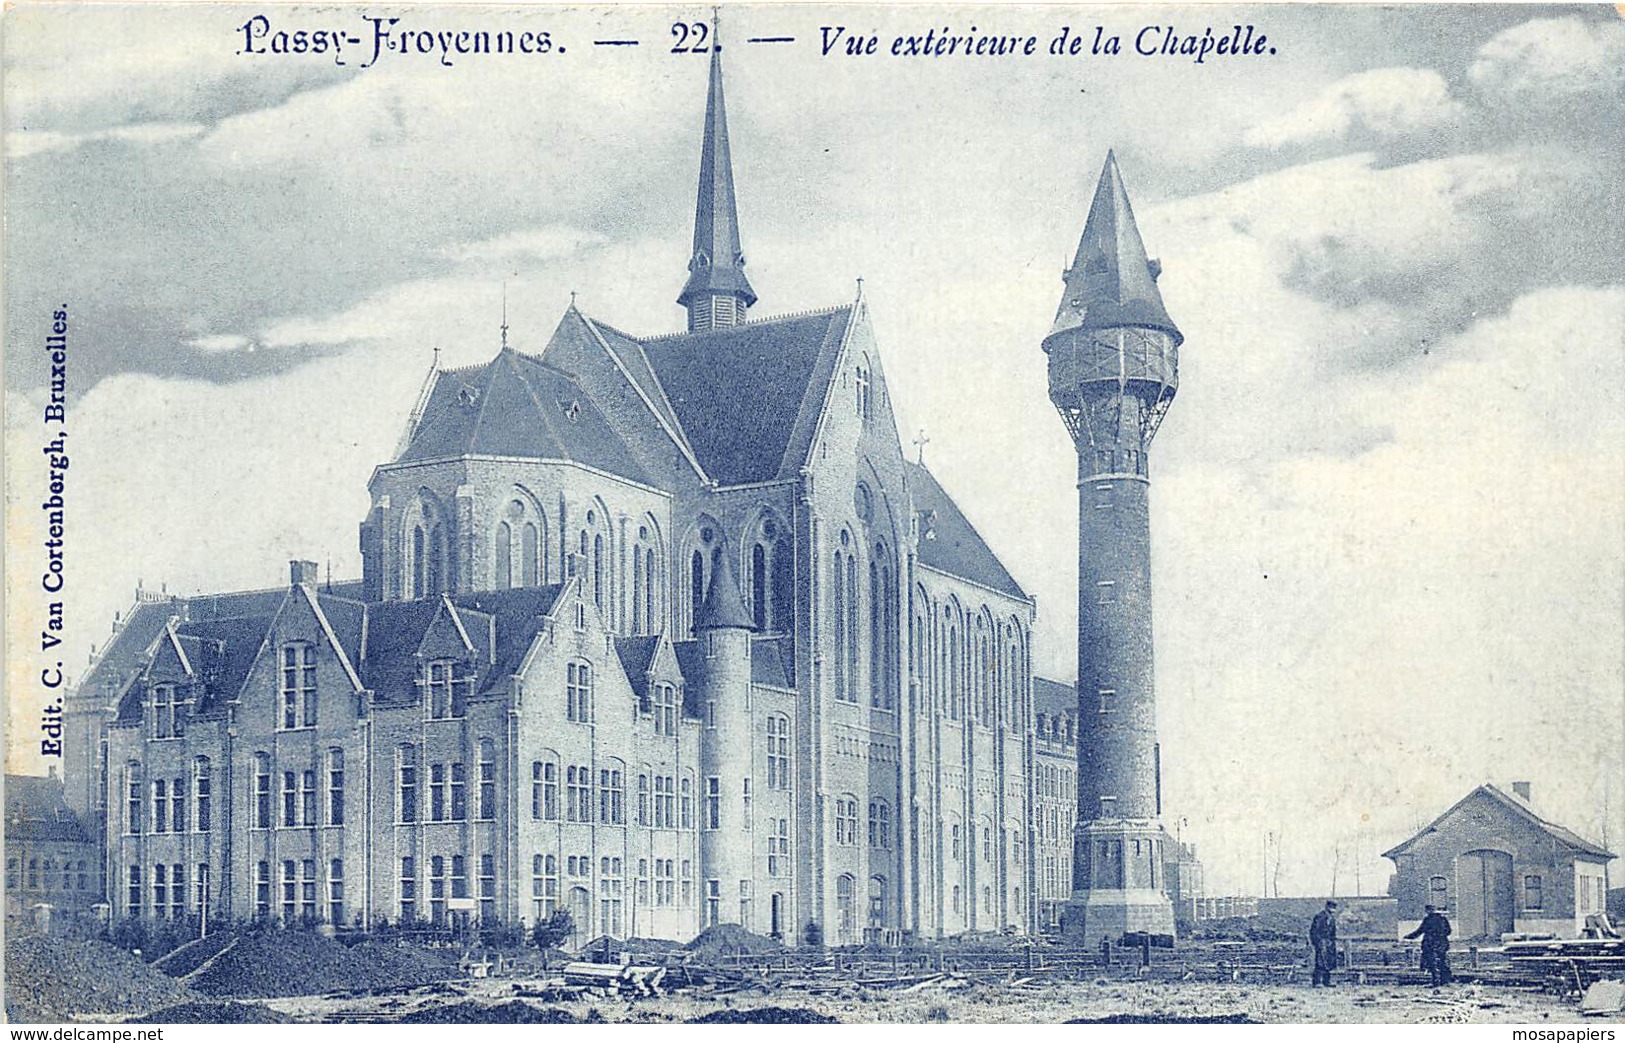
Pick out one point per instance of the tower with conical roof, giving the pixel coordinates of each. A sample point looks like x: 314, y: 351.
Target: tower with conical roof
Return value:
x: 1113, y: 370
x: 717, y: 293
x: 723, y: 679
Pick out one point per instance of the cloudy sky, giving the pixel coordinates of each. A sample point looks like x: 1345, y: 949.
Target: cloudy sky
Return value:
x: 1389, y: 503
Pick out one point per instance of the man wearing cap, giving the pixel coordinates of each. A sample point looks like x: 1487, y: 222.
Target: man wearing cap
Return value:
x: 1323, y: 939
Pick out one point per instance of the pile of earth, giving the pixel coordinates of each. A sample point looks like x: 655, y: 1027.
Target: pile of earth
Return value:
x: 731, y: 940
x: 765, y: 1016
x: 302, y: 963
x: 214, y: 1013
x: 514, y: 1012
x: 48, y: 979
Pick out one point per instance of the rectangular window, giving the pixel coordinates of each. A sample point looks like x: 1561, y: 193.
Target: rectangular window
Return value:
x: 1108, y: 701
x: 160, y: 890
x: 1105, y: 591
x: 578, y: 692
x: 488, y: 888
x: 177, y: 891
x: 748, y: 823
x: 665, y: 710
x: 447, y: 694
x: 160, y: 806
x: 536, y: 790
x: 459, y: 791
x: 437, y: 792
x: 713, y: 902
x: 290, y: 798
x: 262, y: 791
x: 408, y: 889
x: 550, y: 791
x: 290, y: 890
x: 437, y: 889
x: 778, y: 848
x: 133, y: 810
x: 688, y: 803
x: 778, y: 752
x: 409, y: 789
x: 1533, y: 896
x: 459, y: 876
x: 262, y: 890
x: 133, y: 878
x: 203, y: 794
x: 713, y: 804
x: 688, y: 883
x: 335, y: 787
x: 643, y: 800
x: 307, y: 797
x: 298, y: 686
x: 335, y: 892
x: 488, y: 782
x: 307, y: 889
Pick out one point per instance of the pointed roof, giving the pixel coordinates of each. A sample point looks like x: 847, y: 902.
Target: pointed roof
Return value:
x: 1519, y: 809
x: 1111, y: 283
x: 517, y: 405
x: 717, y: 264
x: 724, y: 606
x: 949, y: 542
x: 739, y: 392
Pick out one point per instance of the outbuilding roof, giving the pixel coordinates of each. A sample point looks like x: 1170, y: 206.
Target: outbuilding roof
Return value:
x: 1568, y: 838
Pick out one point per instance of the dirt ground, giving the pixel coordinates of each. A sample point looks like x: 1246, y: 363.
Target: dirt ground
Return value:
x: 1037, y: 1003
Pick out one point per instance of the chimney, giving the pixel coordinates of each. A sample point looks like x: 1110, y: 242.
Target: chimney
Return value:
x: 1521, y: 791
x: 300, y: 572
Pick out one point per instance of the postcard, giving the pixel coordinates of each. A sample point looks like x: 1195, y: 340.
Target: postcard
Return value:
x: 794, y: 513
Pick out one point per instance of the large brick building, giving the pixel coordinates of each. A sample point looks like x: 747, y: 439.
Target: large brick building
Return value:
x: 666, y: 631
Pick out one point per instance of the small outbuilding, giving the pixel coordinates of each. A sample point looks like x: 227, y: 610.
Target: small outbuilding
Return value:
x: 1498, y: 868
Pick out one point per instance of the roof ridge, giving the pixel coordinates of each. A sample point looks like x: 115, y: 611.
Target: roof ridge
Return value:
x: 749, y: 322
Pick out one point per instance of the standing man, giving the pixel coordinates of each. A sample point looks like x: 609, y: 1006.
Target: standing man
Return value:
x: 1434, y: 931
x: 1323, y: 939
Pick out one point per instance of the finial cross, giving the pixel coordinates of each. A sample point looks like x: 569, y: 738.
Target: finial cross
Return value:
x: 920, y: 442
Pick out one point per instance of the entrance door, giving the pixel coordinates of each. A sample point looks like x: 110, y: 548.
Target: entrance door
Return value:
x: 1484, y: 881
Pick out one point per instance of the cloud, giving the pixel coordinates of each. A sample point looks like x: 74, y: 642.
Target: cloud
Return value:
x: 1553, y: 58
x: 23, y: 143
x: 1385, y: 103
x: 220, y: 342
x: 549, y: 243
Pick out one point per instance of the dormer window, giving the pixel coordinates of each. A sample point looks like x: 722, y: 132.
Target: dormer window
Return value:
x: 581, y: 615
x: 298, y: 685
x: 446, y: 695
x: 168, y: 713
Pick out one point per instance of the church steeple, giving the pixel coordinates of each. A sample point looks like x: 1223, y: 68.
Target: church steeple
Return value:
x: 717, y: 293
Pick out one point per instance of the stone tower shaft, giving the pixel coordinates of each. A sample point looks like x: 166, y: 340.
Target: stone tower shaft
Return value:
x: 1113, y: 371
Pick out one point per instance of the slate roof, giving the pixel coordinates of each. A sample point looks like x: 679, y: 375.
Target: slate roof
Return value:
x: 691, y: 663
x: 1568, y: 838
x: 1053, y: 697
x: 126, y: 652
x: 950, y: 543
x: 1111, y: 283
x: 517, y: 405
x: 738, y: 391
x: 230, y: 647
x: 37, y: 810
x: 724, y: 605
x: 636, y: 653
x: 770, y: 662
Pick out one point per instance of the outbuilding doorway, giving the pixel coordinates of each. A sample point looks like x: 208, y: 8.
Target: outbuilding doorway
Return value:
x: 1484, y: 882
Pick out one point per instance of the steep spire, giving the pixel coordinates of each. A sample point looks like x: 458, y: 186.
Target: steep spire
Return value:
x: 717, y: 292
x: 724, y: 605
x: 1111, y: 283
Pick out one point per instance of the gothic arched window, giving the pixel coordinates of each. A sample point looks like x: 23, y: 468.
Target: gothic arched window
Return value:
x: 504, y: 563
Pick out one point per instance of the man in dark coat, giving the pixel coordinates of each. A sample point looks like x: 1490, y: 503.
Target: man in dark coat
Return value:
x: 1323, y: 939
x: 1434, y: 931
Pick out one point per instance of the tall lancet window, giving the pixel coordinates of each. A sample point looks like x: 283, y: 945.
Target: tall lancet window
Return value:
x: 530, y: 555
x: 703, y: 560
x: 504, y: 563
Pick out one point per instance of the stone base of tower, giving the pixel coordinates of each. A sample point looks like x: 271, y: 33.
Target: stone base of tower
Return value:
x: 1094, y: 916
